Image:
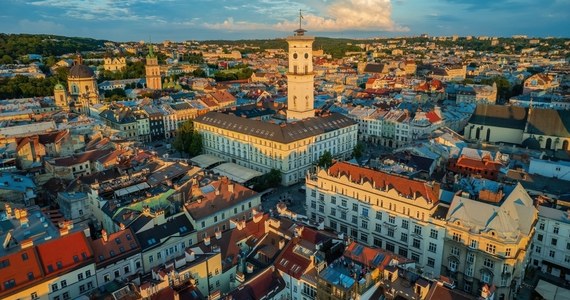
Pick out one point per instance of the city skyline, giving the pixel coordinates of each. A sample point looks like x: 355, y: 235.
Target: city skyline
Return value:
x: 135, y: 20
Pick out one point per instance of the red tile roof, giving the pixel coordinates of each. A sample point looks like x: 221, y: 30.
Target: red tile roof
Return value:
x: 263, y: 285
x: 433, y: 117
x: 118, y: 245
x: 80, y: 158
x: 211, y: 202
x: 290, y: 262
x: 403, y: 185
x: 18, y: 267
x: 66, y: 252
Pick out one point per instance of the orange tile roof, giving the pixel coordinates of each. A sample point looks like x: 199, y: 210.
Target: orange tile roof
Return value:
x: 66, y: 252
x: 433, y: 117
x: 19, y: 266
x: 118, y: 245
x: 404, y: 186
x: 211, y: 202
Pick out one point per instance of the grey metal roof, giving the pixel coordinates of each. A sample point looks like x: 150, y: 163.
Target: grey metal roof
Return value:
x: 282, y: 133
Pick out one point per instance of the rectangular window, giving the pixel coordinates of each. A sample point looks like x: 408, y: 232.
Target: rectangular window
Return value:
x: 489, y: 263
x: 417, y: 229
x: 343, y: 202
x: 508, y: 252
x: 63, y: 283
x: 537, y: 249
x: 552, y: 253
x: 416, y: 243
x: 415, y: 257
x: 354, y: 220
x: 473, y: 244
x: 556, y: 230
x: 378, y: 228
x: 364, y: 224
x: 405, y: 224
x: 333, y: 211
x: 455, y: 251
x: 491, y: 248
x: 391, y: 219
x: 321, y: 208
x: 379, y: 215
x: 470, y: 257
x: 378, y: 242
x: 541, y: 226
x: 554, y: 241
x: 539, y: 237
x: 430, y: 262
x: 364, y: 237
x: 433, y: 234
x: 79, y: 276
x: 333, y: 200
x: 432, y: 247
x: 390, y: 247
x: 390, y: 232
x: 404, y: 237
x: 354, y: 207
x: 343, y: 215
x: 469, y: 271
x: 365, y: 212
x: 403, y: 251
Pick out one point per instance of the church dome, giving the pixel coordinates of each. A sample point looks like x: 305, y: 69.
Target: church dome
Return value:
x: 81, y: 71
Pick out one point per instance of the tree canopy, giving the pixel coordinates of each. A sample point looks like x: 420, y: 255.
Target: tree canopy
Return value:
x: 188, y: 140
x: 268, y: 180
x: 325, y: 161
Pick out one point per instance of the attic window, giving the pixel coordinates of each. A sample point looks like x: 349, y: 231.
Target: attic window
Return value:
x: 50, y: 268
x: 59, y: 265
x: 129, y: 237
x: 84, y: 255
x: 76, y: 258
x: 101, y: 257
x: 118, y: 241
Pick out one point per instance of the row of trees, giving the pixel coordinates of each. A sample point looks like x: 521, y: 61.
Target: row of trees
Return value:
x: 14, y: 46
x: 25, y: 87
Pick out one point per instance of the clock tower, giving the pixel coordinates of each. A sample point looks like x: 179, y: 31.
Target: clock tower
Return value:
x: 153, y: 79
x: 300, y: 76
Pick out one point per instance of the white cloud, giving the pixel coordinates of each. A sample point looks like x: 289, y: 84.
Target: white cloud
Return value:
x: 231, y: 25
x: 337, y: 15
x: 362, y: 15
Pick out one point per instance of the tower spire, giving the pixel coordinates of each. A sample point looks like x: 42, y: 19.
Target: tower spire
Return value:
x: 300, y: 19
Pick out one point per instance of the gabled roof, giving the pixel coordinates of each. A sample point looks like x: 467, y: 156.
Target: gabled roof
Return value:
x: 265, y: 285
x: 212, y: 201
x: 65, y: 253
x: 79, y: 158
x: 291, y: 262
x: 549, y: 122
x: 119, y: 245
x: 177, y: 226
x: 24, y: 267
x: 500, y: 116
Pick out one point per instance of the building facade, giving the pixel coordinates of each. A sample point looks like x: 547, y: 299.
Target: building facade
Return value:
x: 488, y: 239
x: 551, y: 243
x: 380, y: 209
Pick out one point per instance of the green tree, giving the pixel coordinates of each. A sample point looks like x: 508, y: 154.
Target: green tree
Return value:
x: 358, y: 150
x: 268, y: 180
x: 6, y: 59
x: 199, y: 73
x: 188, y: 140
x: 325, y: 161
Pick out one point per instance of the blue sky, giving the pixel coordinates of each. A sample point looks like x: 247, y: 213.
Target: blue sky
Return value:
x: 134, y: 20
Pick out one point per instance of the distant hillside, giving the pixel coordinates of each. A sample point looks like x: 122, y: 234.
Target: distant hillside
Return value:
x: 334, y: 46
x: 16, y: 45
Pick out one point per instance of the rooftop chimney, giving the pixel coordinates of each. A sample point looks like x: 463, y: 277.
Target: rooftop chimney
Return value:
x: 207, y: 241
x: 27, y: 243
x: 104, y: 235
x: 281, y: 244
x: 218, y: 234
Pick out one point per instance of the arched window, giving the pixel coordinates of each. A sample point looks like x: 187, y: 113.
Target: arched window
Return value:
x: 478, y: 133
x: 548, y: 143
